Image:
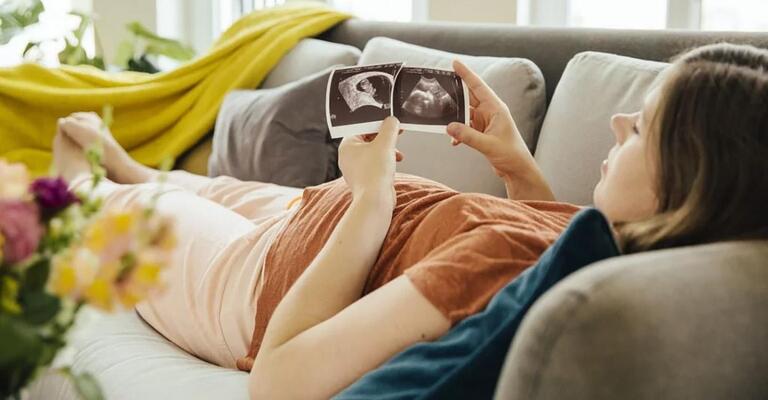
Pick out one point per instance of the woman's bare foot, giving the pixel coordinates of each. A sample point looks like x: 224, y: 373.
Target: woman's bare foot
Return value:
x: 69, y: 159
x: 85, y: 129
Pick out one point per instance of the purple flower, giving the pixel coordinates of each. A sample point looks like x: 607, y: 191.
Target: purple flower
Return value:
x: 52, y: 194
x: 21, y: 229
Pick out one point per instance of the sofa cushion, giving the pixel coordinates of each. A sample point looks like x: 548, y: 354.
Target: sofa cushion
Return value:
x: 309, y: 57
x: 466, y: 362
x: 132, y: 361
x: 576, y: 134
x: 276, y: 135
x: 517, y: 81
x: 684, y: 323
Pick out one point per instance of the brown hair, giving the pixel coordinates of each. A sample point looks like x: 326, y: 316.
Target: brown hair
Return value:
x: 711, y: 131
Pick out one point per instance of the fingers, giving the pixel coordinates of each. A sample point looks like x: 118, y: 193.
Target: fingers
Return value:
x: 399, y: 155
x: 388, y: 132
x: 464, y: 134
x: 477, y: 87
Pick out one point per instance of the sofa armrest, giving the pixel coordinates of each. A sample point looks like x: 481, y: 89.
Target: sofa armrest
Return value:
x: 681, y: 323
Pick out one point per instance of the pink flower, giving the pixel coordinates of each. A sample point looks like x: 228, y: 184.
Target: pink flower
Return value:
x: 20, y: 228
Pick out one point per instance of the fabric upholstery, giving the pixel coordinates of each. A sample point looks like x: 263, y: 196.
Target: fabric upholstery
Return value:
x: 576, y: 135
x: 276, y: 135
x: 465, y: 363
x: 517, y: 81
x: 686, y: 323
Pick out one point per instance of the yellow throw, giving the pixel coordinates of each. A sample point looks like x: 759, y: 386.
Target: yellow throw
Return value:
x: 156, y: 116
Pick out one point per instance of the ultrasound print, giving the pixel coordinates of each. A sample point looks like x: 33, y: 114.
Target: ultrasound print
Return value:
x: 426, y: 96
x: 361, y: 94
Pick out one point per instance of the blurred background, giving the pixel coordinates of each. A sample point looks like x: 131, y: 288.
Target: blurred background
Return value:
x: 151, y: 35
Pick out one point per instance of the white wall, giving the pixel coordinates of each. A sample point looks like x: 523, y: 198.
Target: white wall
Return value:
x: 111, y: 16
x: 502, y: 11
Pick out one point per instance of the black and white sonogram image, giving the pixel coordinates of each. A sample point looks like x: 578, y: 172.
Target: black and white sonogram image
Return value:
x: 360, y: 95
x: 427, y: 96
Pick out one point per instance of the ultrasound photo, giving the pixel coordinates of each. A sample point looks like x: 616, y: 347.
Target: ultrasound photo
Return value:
x: 359, y: 98
x: 428, y: 99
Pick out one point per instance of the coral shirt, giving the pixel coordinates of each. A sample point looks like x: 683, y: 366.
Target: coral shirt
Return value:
x: 458, y: 249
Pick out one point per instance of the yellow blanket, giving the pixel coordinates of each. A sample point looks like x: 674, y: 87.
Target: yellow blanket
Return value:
x: 155, y: 116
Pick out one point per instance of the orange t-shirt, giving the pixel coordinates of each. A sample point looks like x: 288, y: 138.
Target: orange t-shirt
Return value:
x: 458, y: 249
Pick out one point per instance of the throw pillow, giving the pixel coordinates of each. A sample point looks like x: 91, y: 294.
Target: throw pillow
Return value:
x: 308, y: 57
x: 517, y: 81
x: 576, y: 135
x: 466, y: 362
x: 276, y: 135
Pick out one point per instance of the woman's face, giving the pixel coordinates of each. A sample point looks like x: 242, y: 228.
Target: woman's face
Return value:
x: 627, y: 188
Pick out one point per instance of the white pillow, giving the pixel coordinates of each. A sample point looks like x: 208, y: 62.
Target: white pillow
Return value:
x: 308, y: 57
x: 517, y: 81
x: 576, y: 135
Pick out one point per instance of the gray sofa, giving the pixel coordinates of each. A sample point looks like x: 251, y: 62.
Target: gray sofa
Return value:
x: 687, y: 323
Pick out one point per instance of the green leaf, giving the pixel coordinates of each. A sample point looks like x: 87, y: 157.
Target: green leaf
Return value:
x: 18, y: 361
x: 36, y: 276
x: 142, y: 64
x: 124, y: 53
x: 85, y: 22
x: 29, y: 46
x: 87, y: 386
x: 39, y: 307
x: 15, y: 16
x: 158, y: 45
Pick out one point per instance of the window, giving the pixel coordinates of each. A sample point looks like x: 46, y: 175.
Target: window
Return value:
x: 733, y: 15
x: 54, y: 24
x: 391, y: 10
x: 645, y: 14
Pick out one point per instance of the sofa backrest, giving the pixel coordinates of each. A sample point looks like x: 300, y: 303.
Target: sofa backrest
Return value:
x: 685, y: 323
x: 568, y: 153
x: 549, y: 48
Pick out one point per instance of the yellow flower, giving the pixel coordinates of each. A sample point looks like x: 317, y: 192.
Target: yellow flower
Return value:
x: 14, y: 180
x: 9, y: 288
x: 100, y: 294
x: 96, y: 237
x: 147, y: 274
x: 72, y: 272
x: 63, y: 280
x: 122, y: 222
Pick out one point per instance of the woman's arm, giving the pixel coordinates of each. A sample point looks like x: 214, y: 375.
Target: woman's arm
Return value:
x: 493, y: 133
x: 322, y: 336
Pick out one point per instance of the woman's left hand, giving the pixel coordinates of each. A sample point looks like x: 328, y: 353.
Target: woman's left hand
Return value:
x: 367, y: 162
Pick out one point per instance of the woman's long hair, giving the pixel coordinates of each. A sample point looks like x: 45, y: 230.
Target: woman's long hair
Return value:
x: 711, y: 132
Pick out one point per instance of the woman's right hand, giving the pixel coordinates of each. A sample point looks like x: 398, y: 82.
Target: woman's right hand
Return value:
x: 493, y: 132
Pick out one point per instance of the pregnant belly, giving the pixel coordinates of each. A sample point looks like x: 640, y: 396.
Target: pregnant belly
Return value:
x: 208, y: 305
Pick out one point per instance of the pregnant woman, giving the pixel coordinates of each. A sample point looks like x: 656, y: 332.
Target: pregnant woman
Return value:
x: 311, y: 295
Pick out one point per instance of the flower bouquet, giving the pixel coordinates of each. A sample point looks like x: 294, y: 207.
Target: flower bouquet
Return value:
x: 59, y: 252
